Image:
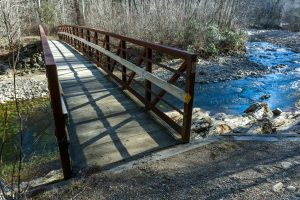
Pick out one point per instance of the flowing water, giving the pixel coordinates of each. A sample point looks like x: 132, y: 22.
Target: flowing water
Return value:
x: 38, y: 135
x: 234, y: 96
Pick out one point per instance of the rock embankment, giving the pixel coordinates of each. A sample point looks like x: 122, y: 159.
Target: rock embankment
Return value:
x: 257, y: 119
x: 30, y: 77
x: 27, y: 87
x: 29, y: 62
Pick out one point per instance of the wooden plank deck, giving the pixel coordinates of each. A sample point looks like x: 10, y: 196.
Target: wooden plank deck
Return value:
x: 105, y: 125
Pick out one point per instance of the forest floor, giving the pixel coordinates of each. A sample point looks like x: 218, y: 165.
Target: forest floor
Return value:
x: 222, y: 170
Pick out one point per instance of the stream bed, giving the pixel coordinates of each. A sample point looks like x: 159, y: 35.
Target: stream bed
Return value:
x: 280, y: 89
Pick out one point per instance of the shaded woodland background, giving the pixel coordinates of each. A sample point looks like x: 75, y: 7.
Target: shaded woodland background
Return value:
x: 203, y: 26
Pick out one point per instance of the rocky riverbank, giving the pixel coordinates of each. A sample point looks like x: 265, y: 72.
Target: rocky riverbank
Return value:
x: 27, y: 87
x: 226, y: 68
x: 257, y: 119
x: 218, y: 69
x: 30, y: 75
x: 279, y: 37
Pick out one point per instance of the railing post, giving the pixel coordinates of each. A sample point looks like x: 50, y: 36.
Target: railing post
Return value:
x: 63, y: 37
x: 107, y: 47
x: 96, y: 41
x: 88, y: 38
x: 148, y: 85
x: 59, y: 119
x: 58, y: 114
x: 188, y: 106
x: 73, y: 40
x: 69, y: 38
x: 81, y: 44
x: 77, y: 42
x: 59, y: 30
x: 124, y: 55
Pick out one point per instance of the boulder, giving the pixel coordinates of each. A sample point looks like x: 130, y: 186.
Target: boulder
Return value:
x: 286, y: 165
x: 265, y: 97
x: 33, y: 60
x: 4, y: 68
x: 19, y: 66
x: 201, y: 120
x: 252, y: 108
x: 223, y: 129
x: 277, y: 112
x: 26, y: 60
x: 278, y: 187
x: 266, y: 126
x: 259, y: 111
x: 297, y: 104
x: 220, y: 116
x: 40, y: 61
x: 36, y: 65
x: 291, y: 188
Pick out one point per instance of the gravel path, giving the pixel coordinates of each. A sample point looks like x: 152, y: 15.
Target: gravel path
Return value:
x: 223, y: 170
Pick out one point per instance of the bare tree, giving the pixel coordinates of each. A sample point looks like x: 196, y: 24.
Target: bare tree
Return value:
x: 11, y: 21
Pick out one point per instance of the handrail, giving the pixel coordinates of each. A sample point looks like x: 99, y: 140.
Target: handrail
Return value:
x: 58, y: 106
x: 175, y: 91
x: 113, y: 57
x: 154, y: 46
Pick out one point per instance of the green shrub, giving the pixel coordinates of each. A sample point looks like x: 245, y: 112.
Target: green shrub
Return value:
x: 232, y: 40
x: 213, y: 40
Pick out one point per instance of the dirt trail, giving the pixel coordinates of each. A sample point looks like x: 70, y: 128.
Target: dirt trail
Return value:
x: 224, y: 170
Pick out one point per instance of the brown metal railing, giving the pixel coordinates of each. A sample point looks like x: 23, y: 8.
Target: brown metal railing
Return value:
x: 58, y: 107
x: 135, y: 64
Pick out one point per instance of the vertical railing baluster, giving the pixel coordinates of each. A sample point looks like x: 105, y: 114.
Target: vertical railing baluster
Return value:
x: 81, y: 44
x: 107, y: 47
x: 69, y: 38
x: 124, y: 55
x: 73, y: 40
x: 76, y: 41
x: 96, y: 41
x: 148, y: 85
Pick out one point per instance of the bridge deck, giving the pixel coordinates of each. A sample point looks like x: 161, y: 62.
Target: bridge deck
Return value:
x: 105, y: 125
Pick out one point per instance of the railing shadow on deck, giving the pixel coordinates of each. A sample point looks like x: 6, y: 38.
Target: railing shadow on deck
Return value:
x: 109, y: 129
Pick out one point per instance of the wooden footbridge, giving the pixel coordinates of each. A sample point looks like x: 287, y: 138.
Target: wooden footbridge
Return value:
x: 109, y: 101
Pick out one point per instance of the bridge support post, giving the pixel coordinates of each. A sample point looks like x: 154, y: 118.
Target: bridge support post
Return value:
x: 188, y: 106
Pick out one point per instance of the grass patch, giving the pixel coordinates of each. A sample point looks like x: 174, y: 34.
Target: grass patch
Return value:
x: 39, y: 143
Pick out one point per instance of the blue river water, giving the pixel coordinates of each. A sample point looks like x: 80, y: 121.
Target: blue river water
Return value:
x: 234, y: 96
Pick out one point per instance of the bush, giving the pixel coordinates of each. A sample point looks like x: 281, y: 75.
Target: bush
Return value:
x: 213, y: 40
x: 232, y: 40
